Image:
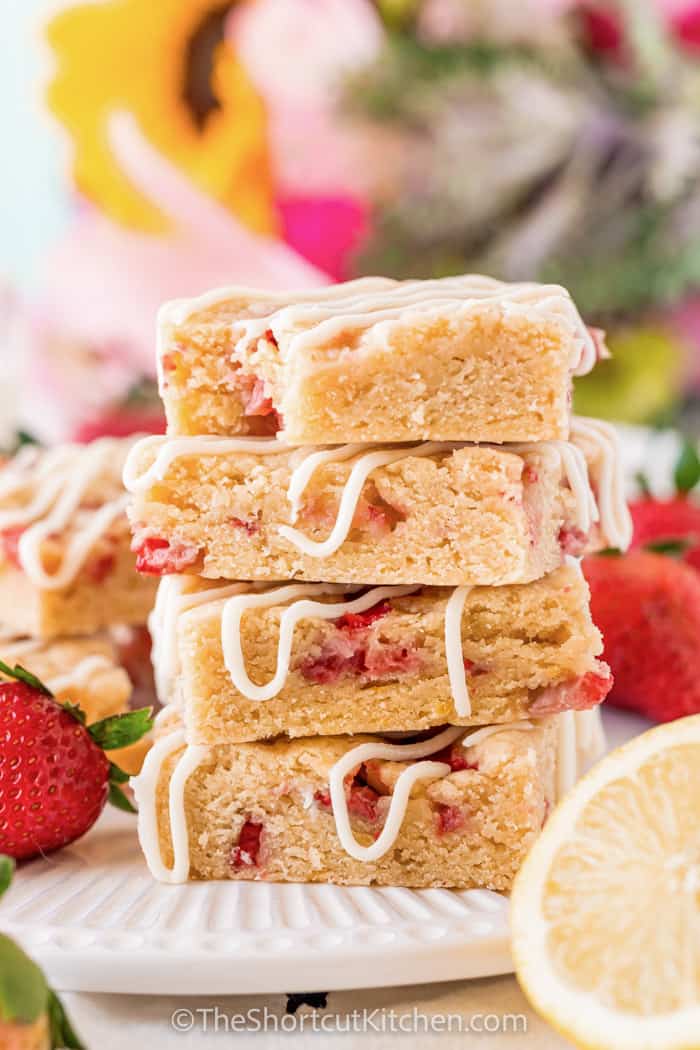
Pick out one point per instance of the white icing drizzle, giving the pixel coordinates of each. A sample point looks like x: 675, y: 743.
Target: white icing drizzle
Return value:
x: 352, y: 489
x: 454, y: 650
x: 590, y: 737
x: 172, y: 599
x: 404, y: 782
x: 145, y: 787
x: 615, y: 517
x: 62, y: 477
x: 170, y: 449
x: 301, y: 608
x: 311, y: 318
x: 80, y: 675
x: 567, y: 754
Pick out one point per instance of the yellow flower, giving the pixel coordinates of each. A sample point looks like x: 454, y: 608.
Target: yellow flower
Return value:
x: 167, y: 63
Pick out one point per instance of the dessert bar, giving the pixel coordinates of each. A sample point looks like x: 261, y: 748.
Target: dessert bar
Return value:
x: 434, y: 513
x: 459, y: 359
x: 65, y: 563
x: 459, y: 809
x: 244, y: 662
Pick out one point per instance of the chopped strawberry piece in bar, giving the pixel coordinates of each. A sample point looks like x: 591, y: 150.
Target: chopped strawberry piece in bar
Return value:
x: 250, y: 527
x: 362, y: 802
x: 9, y: 539
x: 455, y: 756
x: 572, y: 540
x: 352, y: 651
x: 246, y: 853
x: 323, y: 798
x: 156, y: 556
x: 356, y: 621
x: 578, y: 694
x: 449, y: 818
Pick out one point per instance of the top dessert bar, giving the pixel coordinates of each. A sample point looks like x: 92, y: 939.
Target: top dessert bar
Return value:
x: 65, y: 563
x: 459, y: 359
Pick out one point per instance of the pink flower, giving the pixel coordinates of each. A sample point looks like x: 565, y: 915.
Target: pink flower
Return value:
x: 325, y: 230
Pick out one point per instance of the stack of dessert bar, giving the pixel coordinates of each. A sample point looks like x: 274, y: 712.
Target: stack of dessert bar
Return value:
x: 373, y: 635
x: 70, y: 598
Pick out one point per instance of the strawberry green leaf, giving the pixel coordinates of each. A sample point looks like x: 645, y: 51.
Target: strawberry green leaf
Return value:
x: 23, y: 989
x: 643, y: 483
x: 672, y: 547
x: 7, y: 870
x: 21, y: 674
x: 117, y: 798
x: 62, y: 1032
x: 76, y: 711
x: 117, y: 775
x: 609, y: 552
x: 121, y: 730
x: 687, y: 472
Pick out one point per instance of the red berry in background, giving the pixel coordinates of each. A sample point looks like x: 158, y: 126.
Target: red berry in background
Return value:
x: 647, y: 607
x: 55, y: 777
x: 668, y: 521
x: 671, y: 525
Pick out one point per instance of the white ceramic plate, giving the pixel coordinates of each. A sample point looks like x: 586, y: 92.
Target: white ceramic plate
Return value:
x: 94, y: 918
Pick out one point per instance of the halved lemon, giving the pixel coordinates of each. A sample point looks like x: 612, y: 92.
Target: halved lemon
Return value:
x: 605, y: 912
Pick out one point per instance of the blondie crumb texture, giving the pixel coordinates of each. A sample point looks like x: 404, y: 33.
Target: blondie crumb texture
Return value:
x: 526, y: 649
x: 262, y: 811
x: 66, y: 567
x: 465, y: 358
x: 460, y: 515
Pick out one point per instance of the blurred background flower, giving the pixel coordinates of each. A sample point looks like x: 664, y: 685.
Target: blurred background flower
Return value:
x: 288, y: 143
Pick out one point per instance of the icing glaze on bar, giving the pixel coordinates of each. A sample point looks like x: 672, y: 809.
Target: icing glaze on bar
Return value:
x: 454, y: 651
x: 168, y: 450
x: 59, y: 479
x: 79, y: 676
x: 145, y: 787
x: 602, y: 439
x: 316, y: 317
x: 172, y: 599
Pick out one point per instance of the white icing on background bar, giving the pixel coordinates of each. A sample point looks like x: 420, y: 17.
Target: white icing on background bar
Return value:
x: 311, y: 318
x: 146, y: 783
x: 79, y: 676
x: 615, y: 518
x: 301, y: 608
x: 61, y: 477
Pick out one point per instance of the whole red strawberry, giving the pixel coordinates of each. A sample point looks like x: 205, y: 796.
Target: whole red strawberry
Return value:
x: 647, y: 606
x: 54, y: 775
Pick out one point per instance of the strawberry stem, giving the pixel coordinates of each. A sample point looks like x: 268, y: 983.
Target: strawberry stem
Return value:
x: 21, y: 674
x: 121, y: 730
